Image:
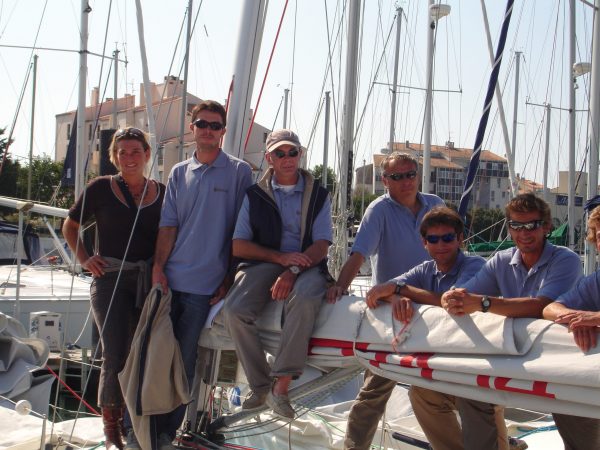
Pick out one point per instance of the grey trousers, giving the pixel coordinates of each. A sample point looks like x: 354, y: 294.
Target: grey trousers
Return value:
x: 245, y: 301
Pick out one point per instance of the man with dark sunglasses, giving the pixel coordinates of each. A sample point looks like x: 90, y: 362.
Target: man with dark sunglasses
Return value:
x: 442, y: 234
x: 389, y: 236
x: 282, y: 235
x: 520, y: 282
x: 204, y: 194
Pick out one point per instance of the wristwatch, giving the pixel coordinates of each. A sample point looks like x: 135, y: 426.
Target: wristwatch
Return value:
x: 294, y: 269
x: 485, y: 303
x: 399, y: 286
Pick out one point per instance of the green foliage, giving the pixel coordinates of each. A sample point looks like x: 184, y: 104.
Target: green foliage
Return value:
x: 357, y: 202
x: 317, y: 172
x: 487, y: 222
x: 45, y: 177
x: 10, y: 170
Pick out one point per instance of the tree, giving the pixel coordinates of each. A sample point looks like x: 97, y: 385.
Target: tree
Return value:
x: 10, y: 170
x: 357, y: 202
x: 485, y: 223
x: 45, y: 178
x: 317, y: 172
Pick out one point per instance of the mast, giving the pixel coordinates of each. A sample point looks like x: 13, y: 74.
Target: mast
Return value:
x: 594, y: 138
x: 147, y: 90
x: 80, y: 154
x: 395, y: 82
x: 572, y: 105
x: 515, y: 110
x: 286, y: 93
x: 30, y: 168
x: 115, y: 122
x: 347, y: 147
x: 546, y: 192
x: 428, y: 103
x: 248, y: 50
x: 188, y: 36
x: 326, y: 139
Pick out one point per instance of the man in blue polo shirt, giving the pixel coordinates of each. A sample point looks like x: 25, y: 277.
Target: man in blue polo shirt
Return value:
x: 192, y: 257
x: 518, y: 282
x: 579, y: 308
x: 442, y: 235
x: 282, y: 235
x: 389, y: 236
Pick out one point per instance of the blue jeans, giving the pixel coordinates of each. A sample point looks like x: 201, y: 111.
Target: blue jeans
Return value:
x: 188, y: 314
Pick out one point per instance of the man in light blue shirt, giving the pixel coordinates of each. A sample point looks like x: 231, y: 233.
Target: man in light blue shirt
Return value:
x: 520, y: 282
x: 282, y: 235
x: 389, y: 235
x: 579, y: 308
x: 193, y: 249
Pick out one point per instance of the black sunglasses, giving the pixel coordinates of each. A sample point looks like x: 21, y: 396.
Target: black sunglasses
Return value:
x: 130, y: 132
x: 281, y: 154
x: 401, y: 176
x: 215, y: 126
x: 434, y: 238
x: 529, y: 226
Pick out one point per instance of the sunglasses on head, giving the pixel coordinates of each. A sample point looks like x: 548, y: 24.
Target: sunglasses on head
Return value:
x: 434, y: 238
x: 529, y: 226
x: 280, y: 154
x: 401, y: 176
x: 129, y: 132
x: 215, y: 126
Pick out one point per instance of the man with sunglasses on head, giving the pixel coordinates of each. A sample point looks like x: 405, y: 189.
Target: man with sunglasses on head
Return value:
x: 389, y: 236
x: 518, y: 282
x: 282, y: 235
x: 193, y: 249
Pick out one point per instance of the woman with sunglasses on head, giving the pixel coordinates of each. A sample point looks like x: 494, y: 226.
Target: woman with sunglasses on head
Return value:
x: 126, y: 208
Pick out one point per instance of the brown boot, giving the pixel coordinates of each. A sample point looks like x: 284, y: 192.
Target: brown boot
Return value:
x: 112, y: 418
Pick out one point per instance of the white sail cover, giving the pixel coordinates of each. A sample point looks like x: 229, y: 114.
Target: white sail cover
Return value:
x: 525, y: 363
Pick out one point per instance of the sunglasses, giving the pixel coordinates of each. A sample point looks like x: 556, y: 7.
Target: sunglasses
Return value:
x: 130, y: 132
x: 202, y: 124
x: 401, y: 176
x: 529, y: 226
x: 434, y: 238
x: 280, y: 154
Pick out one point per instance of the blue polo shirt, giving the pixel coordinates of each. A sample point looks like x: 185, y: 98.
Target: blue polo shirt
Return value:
x: 557, y: 270
x: 389, y: 236
x: 289, y: 204
x: 202, y: 201
x: 427, y: 276
x: 585, y: 295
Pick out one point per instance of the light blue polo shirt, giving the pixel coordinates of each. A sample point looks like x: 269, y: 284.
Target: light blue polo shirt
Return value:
x: 585, y: 295
x: 389, y: 236
x: 427, y: 276
x: 289, y: 204
x: 202, y: 201
x: 557, y: 270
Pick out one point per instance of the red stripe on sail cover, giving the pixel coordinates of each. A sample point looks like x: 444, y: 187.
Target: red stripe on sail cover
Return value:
x: 419, y: 359
x: 538, y: 388
x: 427, y: 373
x: 483, y: 381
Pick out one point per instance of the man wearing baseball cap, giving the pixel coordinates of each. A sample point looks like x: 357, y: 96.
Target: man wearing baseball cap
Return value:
x: 282, y: 235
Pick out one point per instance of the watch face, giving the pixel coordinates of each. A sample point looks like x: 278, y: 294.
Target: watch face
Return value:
x: 295, y: 270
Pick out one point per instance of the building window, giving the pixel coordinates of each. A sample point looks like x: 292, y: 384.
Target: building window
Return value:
x: 493, y: 195
x: 90, y: 132
x: 68, y: 131
x: 498, y: 182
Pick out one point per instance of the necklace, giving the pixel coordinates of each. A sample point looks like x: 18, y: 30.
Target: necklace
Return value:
x: 137, y: 195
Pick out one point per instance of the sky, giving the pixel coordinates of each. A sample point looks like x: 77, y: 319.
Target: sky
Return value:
x: 299, y: 63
